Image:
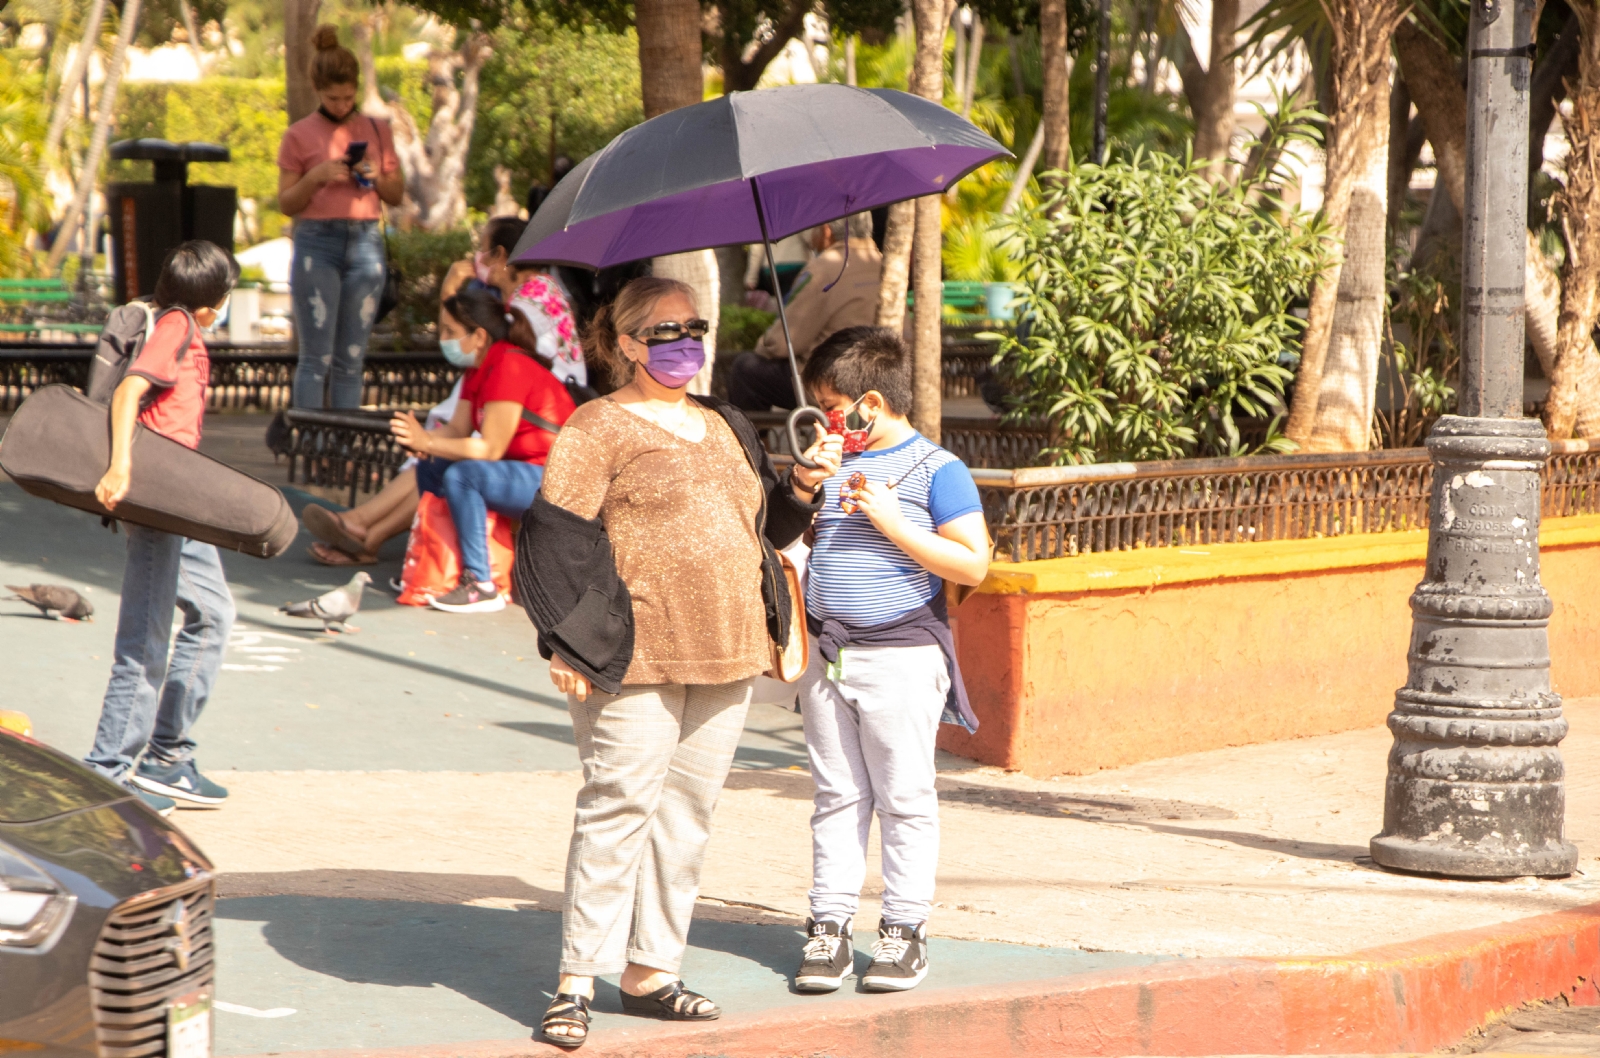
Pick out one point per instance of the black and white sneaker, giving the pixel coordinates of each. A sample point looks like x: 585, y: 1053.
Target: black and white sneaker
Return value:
x: 899, y: 958
x: 827, y: 959
x: 469, y: 597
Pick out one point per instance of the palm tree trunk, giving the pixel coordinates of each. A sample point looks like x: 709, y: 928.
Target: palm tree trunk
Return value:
x: 670, y: 77
x: 1350, y: 374
x: 102, y: 132
x: 1210, y: 91
x: 669, y: 54
x: 193, y: 33
x: 897, y: 236
x: 1057, y: 72
x: 72, y: 78
x: 299, y: 24
x: 1359, y: 84
x: 974, y: 65
x: 1575, y: 380
x: 1441, y: 101
x: 927, y: 78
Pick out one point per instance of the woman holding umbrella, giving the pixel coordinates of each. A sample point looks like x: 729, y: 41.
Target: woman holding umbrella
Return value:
x: 692, y: 510
x: 656, y: 649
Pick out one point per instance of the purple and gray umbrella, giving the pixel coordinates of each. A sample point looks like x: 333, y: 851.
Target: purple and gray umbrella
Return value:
x: 752, y: 167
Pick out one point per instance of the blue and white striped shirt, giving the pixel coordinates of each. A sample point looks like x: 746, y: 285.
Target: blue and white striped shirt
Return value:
x: 855, y: 574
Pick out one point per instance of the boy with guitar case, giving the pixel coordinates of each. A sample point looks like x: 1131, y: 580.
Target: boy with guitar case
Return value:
x: 152, y: 701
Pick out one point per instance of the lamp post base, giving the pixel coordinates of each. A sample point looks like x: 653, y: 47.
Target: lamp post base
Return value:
x: 1476, y: 784
x: 1458, y: 860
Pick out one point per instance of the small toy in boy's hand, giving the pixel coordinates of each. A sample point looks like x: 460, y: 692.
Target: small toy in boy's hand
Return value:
x: 852, y: 492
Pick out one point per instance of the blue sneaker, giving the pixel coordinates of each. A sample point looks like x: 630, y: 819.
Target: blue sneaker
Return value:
x: 161, y: 806
x: 181, y: 781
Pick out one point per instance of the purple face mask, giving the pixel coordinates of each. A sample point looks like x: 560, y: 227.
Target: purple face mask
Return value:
x: 674, y: 363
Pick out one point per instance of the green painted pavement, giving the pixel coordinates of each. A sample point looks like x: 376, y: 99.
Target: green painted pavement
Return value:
x: 414, y: 690
x: 390, y: 973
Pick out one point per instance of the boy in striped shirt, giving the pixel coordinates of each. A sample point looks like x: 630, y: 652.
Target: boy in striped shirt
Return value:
x: 900, y: 517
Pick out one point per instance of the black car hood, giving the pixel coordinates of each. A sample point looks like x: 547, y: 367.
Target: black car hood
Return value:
x: 37, y: 782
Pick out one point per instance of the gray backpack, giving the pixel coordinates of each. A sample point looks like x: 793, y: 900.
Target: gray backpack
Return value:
x: 125, y: 332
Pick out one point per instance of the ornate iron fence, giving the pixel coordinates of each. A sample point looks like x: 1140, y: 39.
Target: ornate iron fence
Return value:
x: 1050, y: 512
x: 255, y: 376
x: 981, y: 443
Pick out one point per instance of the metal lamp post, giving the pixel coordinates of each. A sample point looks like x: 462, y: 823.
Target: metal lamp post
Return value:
x: 1476, y: 784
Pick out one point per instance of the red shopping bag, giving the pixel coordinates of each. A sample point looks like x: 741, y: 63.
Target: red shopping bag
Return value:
x: 433, y: 556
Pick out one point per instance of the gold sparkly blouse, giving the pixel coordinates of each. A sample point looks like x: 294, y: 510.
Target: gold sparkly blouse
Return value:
x: 682, y: 521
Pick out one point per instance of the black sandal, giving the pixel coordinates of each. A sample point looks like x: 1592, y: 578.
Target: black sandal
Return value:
x: 672, y: 1002
x: 568, y: 1011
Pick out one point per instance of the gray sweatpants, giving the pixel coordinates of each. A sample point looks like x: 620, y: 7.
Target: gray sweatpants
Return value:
x: 654, y: 761
x: 870, y: 734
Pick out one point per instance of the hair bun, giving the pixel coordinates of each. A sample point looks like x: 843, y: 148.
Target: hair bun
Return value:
x: 326, y: 38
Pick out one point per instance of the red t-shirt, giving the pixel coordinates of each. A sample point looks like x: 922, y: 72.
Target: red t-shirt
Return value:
x: 506, y: 373
x: 179, y: 383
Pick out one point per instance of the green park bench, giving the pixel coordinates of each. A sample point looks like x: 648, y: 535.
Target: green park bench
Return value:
x: 34, y: 328
x: 966, y: 303
x: 21, y: 294
x: 33, y: 291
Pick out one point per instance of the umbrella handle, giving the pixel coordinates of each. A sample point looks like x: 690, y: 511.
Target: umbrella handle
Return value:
x: 797, y: 418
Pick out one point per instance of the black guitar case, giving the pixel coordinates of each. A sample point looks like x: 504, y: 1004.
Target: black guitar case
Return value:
x: 58, y: 446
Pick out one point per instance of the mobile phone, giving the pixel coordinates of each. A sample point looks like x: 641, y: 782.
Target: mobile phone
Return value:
x: 353, y: 154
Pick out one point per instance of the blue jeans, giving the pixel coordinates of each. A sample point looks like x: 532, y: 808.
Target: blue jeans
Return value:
x: 472, y: 488
x: 151, y: 701
x: 336, y: 281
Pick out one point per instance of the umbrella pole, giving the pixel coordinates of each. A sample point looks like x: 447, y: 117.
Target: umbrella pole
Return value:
x: 777, y: 290
x: 803, y: 412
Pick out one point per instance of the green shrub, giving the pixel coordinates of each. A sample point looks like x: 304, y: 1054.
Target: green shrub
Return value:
x: 423, y: 258
x: 1159, y: 307
x: 583, y: 79
x: 740, y: 327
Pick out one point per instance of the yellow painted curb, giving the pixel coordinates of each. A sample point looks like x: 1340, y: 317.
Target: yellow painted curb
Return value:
x: 1149, y: 567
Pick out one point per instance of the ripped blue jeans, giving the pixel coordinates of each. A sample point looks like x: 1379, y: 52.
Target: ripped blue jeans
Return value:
x: 336, y: 281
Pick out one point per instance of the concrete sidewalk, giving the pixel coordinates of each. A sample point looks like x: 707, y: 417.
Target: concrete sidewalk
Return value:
x: 392, y: 855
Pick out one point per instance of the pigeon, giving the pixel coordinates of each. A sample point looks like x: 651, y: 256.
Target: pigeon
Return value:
x: 334, y: 608
x: 54, y: 601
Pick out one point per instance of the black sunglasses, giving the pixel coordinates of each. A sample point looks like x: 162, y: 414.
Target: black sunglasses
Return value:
x: 671, y: 331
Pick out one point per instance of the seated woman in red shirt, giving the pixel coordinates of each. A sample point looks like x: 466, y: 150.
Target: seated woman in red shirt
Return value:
x: 516, y: 406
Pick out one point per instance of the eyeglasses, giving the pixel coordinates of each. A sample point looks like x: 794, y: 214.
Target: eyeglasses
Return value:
x: 672, y: 331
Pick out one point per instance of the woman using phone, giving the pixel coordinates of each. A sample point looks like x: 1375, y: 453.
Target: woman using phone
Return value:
x: 335, y: 169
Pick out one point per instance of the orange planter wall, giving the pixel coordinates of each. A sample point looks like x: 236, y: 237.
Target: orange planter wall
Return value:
x: 1219, y: 646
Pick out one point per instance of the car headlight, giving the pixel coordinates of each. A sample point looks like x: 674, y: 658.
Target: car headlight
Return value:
x: 33, y: 909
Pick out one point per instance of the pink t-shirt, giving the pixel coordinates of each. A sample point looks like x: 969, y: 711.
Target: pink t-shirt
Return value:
x: 314, y: 139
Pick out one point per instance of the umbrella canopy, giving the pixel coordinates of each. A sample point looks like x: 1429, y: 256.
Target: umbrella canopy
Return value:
x: 802, y: 155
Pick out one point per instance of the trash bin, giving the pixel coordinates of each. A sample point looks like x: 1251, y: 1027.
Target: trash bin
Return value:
x: 999, y: 298
x: 149, y: 219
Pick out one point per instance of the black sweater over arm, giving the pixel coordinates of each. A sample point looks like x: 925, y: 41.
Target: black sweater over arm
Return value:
x: 566, y: 576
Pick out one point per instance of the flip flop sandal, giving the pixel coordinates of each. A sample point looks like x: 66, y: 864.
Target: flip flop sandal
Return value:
x: 569, y: 1012
x: 672, y: 1002
x: 328, y: 555
x: 327, y: 526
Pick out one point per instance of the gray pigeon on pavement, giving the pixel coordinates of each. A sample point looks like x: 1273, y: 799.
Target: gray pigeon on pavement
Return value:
x: 54, y: 601
x: 334, y: 608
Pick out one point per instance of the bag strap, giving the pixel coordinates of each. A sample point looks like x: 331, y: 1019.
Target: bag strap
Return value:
x: 540, y: 421
x: 188, y: 338
x: 383, y: 208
